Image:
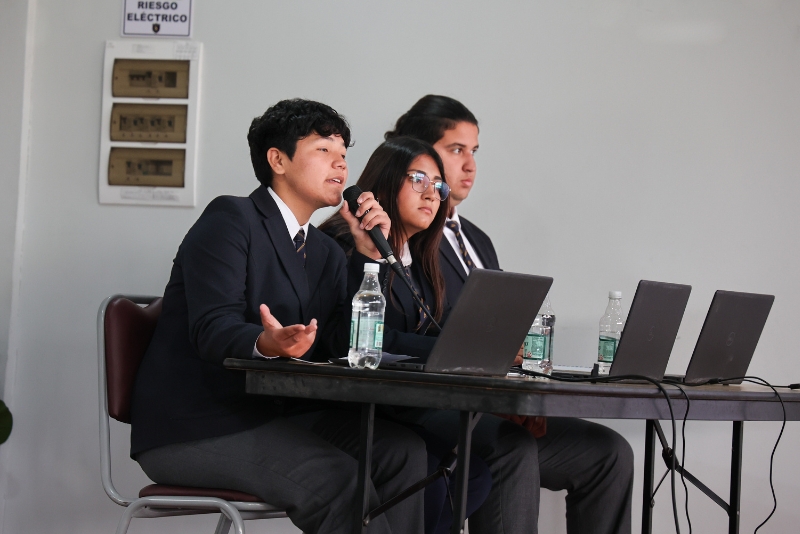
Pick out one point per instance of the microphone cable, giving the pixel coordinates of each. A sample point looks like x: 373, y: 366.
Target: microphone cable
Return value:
x: 401, y: 272
x: 350, y: 196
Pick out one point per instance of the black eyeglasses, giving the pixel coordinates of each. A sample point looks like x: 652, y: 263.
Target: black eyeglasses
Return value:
x: 420, y: 183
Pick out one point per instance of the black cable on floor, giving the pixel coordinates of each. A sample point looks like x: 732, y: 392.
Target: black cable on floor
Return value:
x: 609, y: 379
x: 754, y: 380
x: 683, y: 456
x: 760, y: 381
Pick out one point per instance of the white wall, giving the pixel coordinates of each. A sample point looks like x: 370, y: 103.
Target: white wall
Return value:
x: 621, y: 140
x: 13, y: 26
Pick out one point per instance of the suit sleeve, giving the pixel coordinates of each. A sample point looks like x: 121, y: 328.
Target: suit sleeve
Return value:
x: 214, y: 261
x: 396, y: 340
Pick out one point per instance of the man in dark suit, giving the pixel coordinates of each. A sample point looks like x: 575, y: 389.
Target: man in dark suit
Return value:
x: 593, y: 463
x: 248, y: 266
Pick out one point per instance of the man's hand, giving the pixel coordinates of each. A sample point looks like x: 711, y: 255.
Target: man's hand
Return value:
x: 375, y: 217
x: 286, y: 341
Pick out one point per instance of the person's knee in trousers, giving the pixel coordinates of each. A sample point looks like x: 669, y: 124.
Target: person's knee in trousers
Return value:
x: 399, y: 460
x: 513, y: 502
x: 624, y: 456
x: 406, y: 460
x: 617, y: 456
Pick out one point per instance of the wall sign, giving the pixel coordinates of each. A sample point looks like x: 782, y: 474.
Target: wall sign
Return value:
x: 168, y: 18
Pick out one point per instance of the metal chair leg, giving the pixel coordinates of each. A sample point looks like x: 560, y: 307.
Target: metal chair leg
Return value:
x: 127, y: 515
x: 223, y: 525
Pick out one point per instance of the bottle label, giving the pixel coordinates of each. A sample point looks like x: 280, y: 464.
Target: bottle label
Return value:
x: 534, y: 346
x: 378, y: 335
x: 607, y: 349
x: 365, y: 332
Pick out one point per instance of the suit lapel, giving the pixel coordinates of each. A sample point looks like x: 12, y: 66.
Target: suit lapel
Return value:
x: 477, y: 244
x: 450, y: 255
x: 284, y: 247
x: 402, y: 299
x: 316, y: 261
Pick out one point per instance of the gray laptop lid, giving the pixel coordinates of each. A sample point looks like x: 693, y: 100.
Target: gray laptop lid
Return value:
x: 651, y: 329
x: 488, y: 324
x: 729, y: 336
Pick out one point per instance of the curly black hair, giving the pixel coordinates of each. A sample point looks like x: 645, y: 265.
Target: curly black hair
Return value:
x: 285, y: 123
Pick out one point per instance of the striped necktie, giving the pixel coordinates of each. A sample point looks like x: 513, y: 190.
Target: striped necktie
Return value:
x: 300, y: 245
x: 453, y: 225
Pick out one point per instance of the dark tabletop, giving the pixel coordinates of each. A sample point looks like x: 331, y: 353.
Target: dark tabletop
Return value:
x: 514, y: 395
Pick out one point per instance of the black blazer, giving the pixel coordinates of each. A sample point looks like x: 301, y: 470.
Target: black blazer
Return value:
x: 237, y: 256
x: 454, y: 275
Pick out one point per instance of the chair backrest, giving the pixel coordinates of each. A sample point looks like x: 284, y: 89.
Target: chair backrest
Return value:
x: 128, y: 330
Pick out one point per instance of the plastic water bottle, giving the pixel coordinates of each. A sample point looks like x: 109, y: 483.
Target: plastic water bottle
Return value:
x: 611, y: 326
x: 537, y: 352
x: 366, y: 324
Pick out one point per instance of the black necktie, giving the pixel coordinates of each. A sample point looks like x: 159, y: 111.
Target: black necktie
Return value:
x: 464, y: 254
x: 300, y: 245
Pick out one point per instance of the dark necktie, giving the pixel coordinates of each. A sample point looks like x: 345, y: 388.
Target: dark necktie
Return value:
x: 464, y: 254
x: 300, y: 245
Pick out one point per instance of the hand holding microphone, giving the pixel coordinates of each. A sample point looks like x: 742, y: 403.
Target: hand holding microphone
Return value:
x: 375, y: 233
x: 369, y: 224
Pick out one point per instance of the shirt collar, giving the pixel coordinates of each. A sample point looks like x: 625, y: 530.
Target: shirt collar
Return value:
x: 454, y: 218
x: 288, y: 217
x: 405, y: 256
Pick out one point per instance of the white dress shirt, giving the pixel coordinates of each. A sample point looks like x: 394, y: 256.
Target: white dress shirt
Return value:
x: 451, y: 238
x: 293, y: 227
x: 288, y: 217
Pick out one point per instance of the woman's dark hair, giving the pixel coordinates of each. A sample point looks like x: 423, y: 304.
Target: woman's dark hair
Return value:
x: 285, y: 123
x: 384, y: 175
x: 430, y: 117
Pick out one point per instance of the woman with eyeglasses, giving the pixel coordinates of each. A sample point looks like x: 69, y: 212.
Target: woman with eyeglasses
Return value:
x: 407, y: 176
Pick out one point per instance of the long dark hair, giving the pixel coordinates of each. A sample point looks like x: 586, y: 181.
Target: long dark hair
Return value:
x: 430, y: 117
x: 384, y: 175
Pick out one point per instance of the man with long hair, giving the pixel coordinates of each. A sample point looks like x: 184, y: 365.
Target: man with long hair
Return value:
x: 592, y: 462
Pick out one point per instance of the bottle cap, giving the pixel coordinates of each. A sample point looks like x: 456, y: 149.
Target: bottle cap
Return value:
x: 615, y: 294
x: 372, y: 268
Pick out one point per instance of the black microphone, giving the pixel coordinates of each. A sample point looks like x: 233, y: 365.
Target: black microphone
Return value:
x: 351, y: 195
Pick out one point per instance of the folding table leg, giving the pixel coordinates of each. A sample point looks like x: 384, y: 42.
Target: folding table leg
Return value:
x: 736, y: 477
x: 468, y: 421
x: 649, y: 477
x: 361, y: 507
